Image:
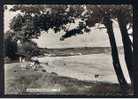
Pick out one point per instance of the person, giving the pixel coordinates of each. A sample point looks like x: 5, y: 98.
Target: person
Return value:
x: 20, y: 52
x: 35, y: 63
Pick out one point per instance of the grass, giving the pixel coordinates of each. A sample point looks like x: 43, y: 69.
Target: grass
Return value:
x: 18, y: 80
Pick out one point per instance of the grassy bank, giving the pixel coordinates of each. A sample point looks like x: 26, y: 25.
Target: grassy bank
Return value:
x: 19, y: 81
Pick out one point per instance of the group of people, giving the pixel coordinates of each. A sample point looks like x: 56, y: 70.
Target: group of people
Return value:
x: 22, y: 57
x: 34, y: 64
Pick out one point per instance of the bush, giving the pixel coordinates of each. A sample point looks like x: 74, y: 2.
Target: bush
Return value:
x: 30, y: 48
x: 10, y: 48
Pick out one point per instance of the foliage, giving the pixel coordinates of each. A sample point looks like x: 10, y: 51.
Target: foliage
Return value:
x: 37, y: 18
x: 10, y: 48
x: 31, y: 48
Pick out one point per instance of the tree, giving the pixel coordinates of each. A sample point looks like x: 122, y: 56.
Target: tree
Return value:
x: 37, y: 18
x: 124, y: 15
x: 115, y: 57
x: 10, y: 46
x: 128, y: 46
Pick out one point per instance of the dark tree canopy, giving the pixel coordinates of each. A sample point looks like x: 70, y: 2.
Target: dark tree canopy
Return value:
x: 37, y: 18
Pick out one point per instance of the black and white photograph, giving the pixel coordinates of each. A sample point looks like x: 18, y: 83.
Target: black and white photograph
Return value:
x: 53, y: 49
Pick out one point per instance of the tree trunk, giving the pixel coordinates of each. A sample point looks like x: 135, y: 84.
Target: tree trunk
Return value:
x: 117, y: 67
x: 127, y: 47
